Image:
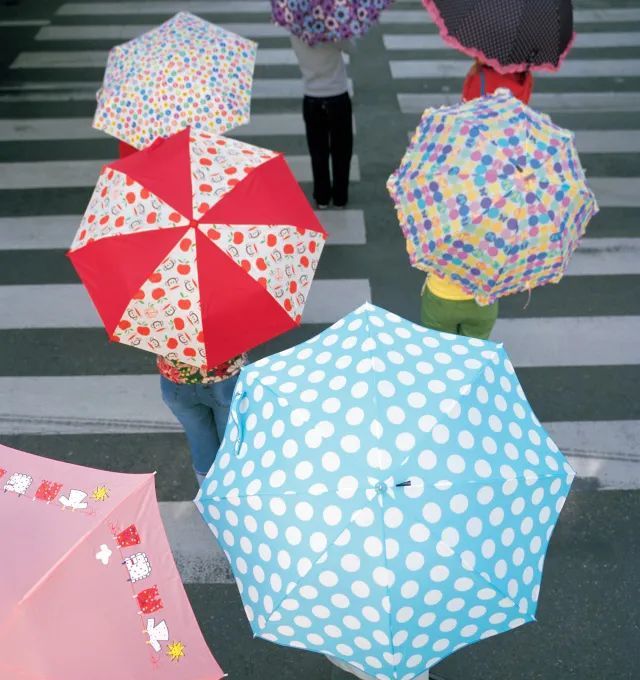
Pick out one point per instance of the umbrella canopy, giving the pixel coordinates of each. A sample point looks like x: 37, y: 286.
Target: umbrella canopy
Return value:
x: 509, y: 35
x: 186, y: 71
x: 385, y: 494
x: 492, y: 194
x: 316, y: 21
x: 198, y: 248
x: 90, y: 589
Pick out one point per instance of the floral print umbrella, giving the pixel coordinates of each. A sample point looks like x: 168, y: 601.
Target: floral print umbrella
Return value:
x: 492, y: 194
x: 185, y: 72
x: 316, y: 21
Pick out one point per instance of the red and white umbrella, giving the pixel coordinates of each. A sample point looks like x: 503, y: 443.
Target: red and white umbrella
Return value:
x: 198, y: 248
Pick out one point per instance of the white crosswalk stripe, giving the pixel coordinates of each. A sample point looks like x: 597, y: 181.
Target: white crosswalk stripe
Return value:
x: 432, y: 41
x: 39, y: 129
x: 168, y: 7
x: 63, y: 91
x: 64, y: 174
x: 268, y: 56
x: 267, y: 124
x: 345, y: 228
x: 67, y: 305
x: 126, y: 32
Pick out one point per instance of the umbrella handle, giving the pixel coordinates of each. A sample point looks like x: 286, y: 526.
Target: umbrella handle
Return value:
x: 238, y: 396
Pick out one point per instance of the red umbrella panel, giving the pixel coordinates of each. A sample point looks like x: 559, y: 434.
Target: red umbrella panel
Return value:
x: 198, y: 248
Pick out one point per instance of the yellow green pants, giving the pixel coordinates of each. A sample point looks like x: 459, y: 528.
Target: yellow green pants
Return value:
x: 462, y: 317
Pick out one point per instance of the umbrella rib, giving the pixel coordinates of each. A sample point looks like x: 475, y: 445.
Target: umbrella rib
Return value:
x: 298, y: 583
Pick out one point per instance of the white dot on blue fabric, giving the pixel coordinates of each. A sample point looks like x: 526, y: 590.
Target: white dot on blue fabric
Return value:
x: 385, y: 494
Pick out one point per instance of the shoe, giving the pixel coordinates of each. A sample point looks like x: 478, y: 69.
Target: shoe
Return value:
x: 321, y: 206
x: 340, y: 207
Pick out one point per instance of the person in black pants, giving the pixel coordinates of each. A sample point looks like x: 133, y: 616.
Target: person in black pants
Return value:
x: 329, y: 136
x: 326, y: 109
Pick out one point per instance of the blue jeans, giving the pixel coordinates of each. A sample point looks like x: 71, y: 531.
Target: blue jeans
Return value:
x: 202, y: 411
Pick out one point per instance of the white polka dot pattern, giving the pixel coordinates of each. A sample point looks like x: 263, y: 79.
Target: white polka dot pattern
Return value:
x: 376, y: 508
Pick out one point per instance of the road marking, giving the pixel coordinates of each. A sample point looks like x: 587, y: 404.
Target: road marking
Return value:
x: 64, y: 174
x: 168, y: 7
x: 531, y: 342
x: 129, y: 31
x: 432, y: 41
x: 263, y: 88
x: 606, y: 450
x: 616, y: 192
x: 68, y: 305
x: 196, y: 552
x: 19, y: 23
x: 570, y: 341
x: 39, y: 129
x: 82, y: 59
x: 606, y: 257
x: 449, y: 68
x: 556, y: 102
x: 61, y: 91
x: 580, y: 16
x: 345, y: 227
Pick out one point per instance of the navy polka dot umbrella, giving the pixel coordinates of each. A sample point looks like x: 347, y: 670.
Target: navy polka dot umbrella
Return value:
x: 508, y: 35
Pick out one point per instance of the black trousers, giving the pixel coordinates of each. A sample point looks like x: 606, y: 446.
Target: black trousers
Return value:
x: 329, y: 136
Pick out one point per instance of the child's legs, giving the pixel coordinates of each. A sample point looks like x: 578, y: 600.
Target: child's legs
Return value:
x: 198, y: 422
x: 440, y: 314
x: 316, y: 123
x: 479, y: 321
x: 217, y: 396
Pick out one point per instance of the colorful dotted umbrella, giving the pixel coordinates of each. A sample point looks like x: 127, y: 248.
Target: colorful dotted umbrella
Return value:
x: 316, y: 21
x: 492, y: 194
x: 385, y: 494
x: 185, y: 72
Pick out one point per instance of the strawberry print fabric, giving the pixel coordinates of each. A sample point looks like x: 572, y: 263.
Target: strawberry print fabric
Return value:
x: 196, y: 234
x: 120, y: 205
x: 217, y: 165
x: 186, y: 72
x: 165, y: 313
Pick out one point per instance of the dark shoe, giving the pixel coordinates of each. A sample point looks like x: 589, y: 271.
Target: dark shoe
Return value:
x: 340, y: 207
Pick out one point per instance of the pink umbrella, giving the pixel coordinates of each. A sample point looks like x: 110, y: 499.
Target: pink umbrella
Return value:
x: 88, y: 585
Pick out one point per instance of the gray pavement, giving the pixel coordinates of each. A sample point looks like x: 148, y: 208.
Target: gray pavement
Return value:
x: 575, y: 345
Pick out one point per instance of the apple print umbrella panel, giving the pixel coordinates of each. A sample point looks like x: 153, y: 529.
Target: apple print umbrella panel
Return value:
x: 385, y: 494
x: 88, y: 586
x: 492, y: 194
x: 198, y: 248
x: 186, y: 71
x: 318, y: 21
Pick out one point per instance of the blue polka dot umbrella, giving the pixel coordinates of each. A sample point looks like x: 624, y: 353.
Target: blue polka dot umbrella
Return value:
x: 385, y: 494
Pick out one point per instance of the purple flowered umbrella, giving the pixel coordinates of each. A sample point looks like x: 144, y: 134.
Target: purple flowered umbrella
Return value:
x: 316, y: 21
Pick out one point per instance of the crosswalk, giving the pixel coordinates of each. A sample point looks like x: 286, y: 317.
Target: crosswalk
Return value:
x: 579, y: 337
